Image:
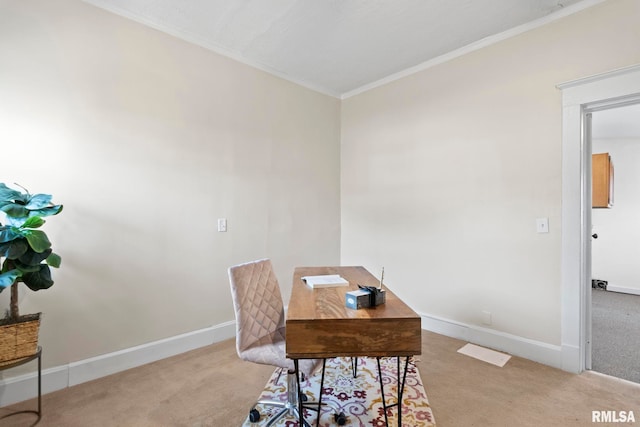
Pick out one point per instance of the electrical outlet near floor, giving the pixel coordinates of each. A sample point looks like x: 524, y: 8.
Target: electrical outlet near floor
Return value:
x: 486, y: 317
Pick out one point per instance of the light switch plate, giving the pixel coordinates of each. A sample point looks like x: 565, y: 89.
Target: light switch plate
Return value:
x: 542, y: 225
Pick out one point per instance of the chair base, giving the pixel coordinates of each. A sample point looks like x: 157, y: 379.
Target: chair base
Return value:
x: 290, y: 407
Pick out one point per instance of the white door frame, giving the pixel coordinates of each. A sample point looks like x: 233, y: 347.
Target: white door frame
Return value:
x: 580, y: 97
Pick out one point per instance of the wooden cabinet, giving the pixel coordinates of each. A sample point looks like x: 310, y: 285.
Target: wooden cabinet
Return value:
x: 602, y: 180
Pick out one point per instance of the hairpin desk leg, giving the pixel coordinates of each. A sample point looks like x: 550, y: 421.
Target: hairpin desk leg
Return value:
x: 300, y: 407
x: 400, y: 390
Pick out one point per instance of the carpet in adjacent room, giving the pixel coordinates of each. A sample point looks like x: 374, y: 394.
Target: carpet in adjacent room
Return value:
x: 615, y: 334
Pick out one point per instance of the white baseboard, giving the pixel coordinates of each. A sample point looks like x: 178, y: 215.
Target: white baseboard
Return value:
x: 23, y: 387
x: 571, y: 359
x: 623, y: 290
x: 537, y: 351
x: 17, y: 389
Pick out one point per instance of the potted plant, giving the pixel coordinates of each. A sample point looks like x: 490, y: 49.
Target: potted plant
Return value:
x: 25, y: 257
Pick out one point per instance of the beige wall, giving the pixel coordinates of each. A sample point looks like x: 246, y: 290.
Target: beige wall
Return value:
x: 445, y: 172
x: 147, y: 140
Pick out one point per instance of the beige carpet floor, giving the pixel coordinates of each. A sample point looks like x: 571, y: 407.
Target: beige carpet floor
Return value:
x: 212, y: 387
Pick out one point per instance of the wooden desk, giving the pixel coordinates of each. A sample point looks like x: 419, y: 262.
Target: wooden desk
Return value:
x: 319, y: 325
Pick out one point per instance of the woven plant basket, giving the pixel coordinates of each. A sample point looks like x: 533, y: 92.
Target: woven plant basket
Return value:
x: 19, y: 338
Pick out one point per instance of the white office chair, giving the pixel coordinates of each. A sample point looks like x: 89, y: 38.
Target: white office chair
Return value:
x: 260, y: 333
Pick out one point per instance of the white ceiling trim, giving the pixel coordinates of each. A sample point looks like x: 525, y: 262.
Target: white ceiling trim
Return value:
x: 487, y: 41
x: 191, y: 38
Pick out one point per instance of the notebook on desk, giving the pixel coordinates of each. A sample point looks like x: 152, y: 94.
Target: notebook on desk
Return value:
x: 325, y: 281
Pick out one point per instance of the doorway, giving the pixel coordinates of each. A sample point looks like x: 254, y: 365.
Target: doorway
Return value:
x: 615, y: 290
x: 579, y: 98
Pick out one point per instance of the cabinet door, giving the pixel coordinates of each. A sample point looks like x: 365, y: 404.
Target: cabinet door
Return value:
x: 602, y: 180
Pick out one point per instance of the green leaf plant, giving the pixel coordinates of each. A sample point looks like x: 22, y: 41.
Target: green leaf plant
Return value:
x: 25, y: 250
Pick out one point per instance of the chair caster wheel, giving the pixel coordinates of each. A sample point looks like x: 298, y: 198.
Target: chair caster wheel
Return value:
x: 303, y: 397
x: 254, y: 415
x: 340, y: 418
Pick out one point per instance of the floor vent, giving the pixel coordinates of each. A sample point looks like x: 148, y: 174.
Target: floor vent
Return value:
x: 599, y: 284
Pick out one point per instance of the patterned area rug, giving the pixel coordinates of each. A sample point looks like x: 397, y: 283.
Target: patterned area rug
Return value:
x: 358, y: 398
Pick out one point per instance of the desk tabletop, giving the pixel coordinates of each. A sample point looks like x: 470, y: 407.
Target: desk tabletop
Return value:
x: 319, y: 324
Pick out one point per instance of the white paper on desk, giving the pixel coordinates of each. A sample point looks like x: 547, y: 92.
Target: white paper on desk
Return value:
x: 325, y: 281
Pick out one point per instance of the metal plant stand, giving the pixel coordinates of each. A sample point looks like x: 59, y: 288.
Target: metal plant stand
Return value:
x: 22, y: 361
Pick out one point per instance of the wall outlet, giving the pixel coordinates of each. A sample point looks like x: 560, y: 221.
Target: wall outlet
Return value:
x: 222, y: 224
x: 486, y: 317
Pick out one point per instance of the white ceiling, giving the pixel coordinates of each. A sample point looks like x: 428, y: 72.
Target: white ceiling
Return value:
x: 617, y: 123
x: 341, y: 47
